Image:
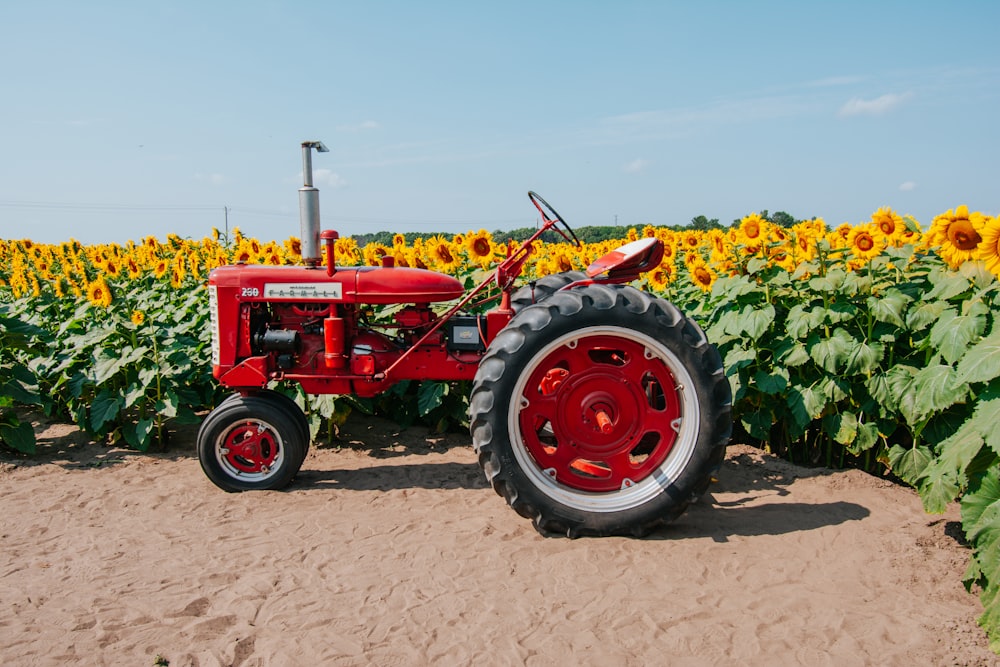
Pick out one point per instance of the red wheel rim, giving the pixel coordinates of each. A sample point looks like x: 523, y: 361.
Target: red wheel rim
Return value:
x: 600, y: 413
x: 250, y: 447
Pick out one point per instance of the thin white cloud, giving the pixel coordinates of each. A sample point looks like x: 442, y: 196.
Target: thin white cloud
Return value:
x: 635, y: 166
x: 211, y: 179
x: 907, y: 186
x: 874, y: 107
x: 327, y: 178
x: 661, y: 123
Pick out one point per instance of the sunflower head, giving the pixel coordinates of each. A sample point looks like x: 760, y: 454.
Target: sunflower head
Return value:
x: 863, y: 243
x: 691, y: 240
x: 98, y: 293
x: 293, y: 247
x: 989, y: 249
x: 888, y: 224
x: 374, y: 252
x: 753, y: 229
x: 479, y: 247
x: 138, y: 317
x: 660, y: 278
x: 957, y: 234
x: 563, y: 262
x: 702, y: 276
x: 443, y: 254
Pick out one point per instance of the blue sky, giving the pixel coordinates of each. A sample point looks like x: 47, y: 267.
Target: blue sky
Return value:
x: 125, y: 119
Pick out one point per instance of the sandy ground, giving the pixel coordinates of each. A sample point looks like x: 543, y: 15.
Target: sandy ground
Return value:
x: 392, y: 550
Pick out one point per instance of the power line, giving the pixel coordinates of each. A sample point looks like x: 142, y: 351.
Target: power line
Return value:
x: 104, y: 207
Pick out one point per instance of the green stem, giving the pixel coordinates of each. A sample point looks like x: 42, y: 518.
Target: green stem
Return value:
x: 159, y: 391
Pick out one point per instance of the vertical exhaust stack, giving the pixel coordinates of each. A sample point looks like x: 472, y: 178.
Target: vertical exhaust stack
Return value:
x: 309, y: 206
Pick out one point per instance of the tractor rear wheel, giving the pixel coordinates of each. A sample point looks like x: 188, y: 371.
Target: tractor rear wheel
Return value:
x: 600, y: 411
x: 250, y: 443
x: 537, y: 291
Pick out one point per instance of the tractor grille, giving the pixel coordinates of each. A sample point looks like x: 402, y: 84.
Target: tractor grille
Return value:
x: 213, y: 316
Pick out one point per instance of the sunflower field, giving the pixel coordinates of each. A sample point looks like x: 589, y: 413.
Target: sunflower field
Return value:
x: 874, y: 345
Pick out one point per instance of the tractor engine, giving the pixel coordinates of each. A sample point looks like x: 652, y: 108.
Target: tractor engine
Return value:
x: 338, y: 332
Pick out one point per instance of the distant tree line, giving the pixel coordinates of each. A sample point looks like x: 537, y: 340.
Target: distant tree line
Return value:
x: 588, y: 234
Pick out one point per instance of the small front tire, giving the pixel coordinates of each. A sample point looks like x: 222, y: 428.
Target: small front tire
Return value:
x: 250, y: 443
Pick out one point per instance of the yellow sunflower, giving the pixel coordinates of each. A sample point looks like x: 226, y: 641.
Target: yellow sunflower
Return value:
x: 719, y: 243
x: 702, y: 276
x: 346, y: 251
x: 806, y: 233
x: 889, y: 226
x: 176, y: 276
x: 562, y: 261
x: 443, y: 254
x: 177, y: 271
x: 160, y: 268
x: 413, y: 258
x: 862, y: 242
x: 133, y: 268
x: 666, y: 235
x: 753, y: 230
x: 480, y: 248
x: 242, y: 256
x: 373, y: 253
x: 778, y: 234
x: 138, y: 317
x: 989, y: 247
x: 669, y: 252
x: 957, y: 234
x: 661, y: 277
x: 193, y: 263
x: 838, y: 237
x: 293, y: 248
x: 690, y: 240
x: 98, y: 293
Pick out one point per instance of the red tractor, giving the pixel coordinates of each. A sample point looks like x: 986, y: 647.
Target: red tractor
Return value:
x: 596, y: 408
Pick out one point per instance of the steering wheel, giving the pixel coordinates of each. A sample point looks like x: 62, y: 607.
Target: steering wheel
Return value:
x: 546, y: 210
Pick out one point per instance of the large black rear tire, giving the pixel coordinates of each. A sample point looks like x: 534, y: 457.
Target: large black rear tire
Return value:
x: 539, y: 290
x: 600, y: 411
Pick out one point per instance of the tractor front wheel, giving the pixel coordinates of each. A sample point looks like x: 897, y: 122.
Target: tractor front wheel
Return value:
x: 600, y: 411
x: 285, y: 403
x: 250, y: 443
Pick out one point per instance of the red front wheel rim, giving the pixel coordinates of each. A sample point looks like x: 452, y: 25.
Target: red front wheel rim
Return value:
x: 250, y: 449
